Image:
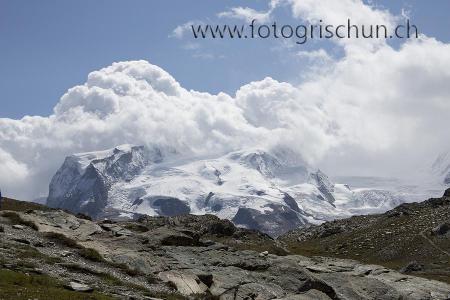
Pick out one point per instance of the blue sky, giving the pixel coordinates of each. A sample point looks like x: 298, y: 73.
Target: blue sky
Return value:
x: 48, y: 46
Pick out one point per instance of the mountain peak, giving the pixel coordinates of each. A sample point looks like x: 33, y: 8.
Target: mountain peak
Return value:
x: 273, y: 191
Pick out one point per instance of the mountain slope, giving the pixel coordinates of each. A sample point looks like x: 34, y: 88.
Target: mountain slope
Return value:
x: 441, y: 167
x: 414, y: 236
x: 272, y: 191
x: 182, y: 257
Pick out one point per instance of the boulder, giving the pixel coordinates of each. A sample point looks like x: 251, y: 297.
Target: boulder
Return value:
x: 116, y: 230
x: 441, y: 229
x: 170, y: 237
x: 185, y: 282
x: 412, y: 266
x: 79, y: 287
x: 264, y: 253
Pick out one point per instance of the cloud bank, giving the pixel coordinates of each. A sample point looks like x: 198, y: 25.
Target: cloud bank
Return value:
x: 377, y: 110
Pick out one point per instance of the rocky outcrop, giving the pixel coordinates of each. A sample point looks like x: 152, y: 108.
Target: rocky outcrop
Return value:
x: 274, y: 221
x: 324, y: 185
x: 193, y: 257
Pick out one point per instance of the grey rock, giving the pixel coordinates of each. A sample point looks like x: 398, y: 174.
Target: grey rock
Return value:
x: 116, y: 230
x: 66, y: 253
x: 208, y: 243
x: 441, y: 229
x: 413, y: 266
x: 79, y: 287
x: 169, y: 237
x: 186, y: 283
x: 253, y: 290
x: 20, y: 227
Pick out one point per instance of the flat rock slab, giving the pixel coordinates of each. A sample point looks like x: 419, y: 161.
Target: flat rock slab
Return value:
x: 186, y: 283
x: 62, y: 222
x: 79, y: 287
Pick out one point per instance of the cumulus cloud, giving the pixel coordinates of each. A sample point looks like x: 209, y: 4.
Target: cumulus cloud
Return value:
x: 12, y: 170
x: 180, y: 31
x: 338, y: 12
x: 319, y: 55
x: 380, y: 113
x: 248, y: 14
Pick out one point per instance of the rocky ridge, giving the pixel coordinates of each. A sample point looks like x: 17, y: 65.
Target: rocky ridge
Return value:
x: 413, y: 238
x: 186, y: 257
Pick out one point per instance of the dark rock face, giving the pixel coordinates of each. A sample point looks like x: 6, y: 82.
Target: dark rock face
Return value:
x: 447, y: 192
x: 291, y: 203
x: 275, y: 221
x: 86, y: 191
x: 324, y: 185
x: 171, y: 206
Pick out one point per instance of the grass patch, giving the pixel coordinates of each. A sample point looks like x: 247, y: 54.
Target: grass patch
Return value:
x: 91, y: 254
x: 26, y: 252
x: 107, y: 278
x: 17, y: 220
x: 76, y: 268
x: 126, y: 269
x: 62, y: 239
x: 136, y: 227
x: 16, y: 286
x: 87, y: 253
x: 16, y: 205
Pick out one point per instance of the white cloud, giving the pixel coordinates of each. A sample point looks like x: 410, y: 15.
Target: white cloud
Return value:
x: 246, y: 14
x: 11, y: 169
x: 338, y: 12
x: 319, y: 55
x: 181, y: 30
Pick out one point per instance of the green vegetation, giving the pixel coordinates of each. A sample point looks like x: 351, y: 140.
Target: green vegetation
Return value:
x: 16, y: 205
x: 87, y: 253
x: 17, y: 220
x: 62, y: 239
x: 91, y: 254
x: 16, y: 286
x: 136, y: 227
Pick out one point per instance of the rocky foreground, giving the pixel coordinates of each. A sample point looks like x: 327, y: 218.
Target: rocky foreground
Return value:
x: 53, y: 254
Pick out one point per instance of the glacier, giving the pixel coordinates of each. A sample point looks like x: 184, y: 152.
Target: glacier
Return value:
x: 269, y: 190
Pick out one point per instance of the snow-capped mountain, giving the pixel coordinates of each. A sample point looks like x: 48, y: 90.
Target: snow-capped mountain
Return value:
x: 441, y: 167
x: 272, y: 191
